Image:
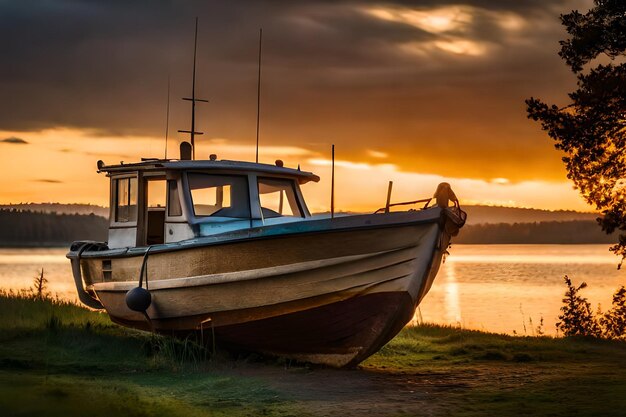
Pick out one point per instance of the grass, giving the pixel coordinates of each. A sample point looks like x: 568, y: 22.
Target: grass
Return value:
x: 508, y: 375
x: 59, y: 359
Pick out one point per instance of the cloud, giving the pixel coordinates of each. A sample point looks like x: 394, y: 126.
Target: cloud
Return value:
x: 49, y: 181
x: 14, y: 140
x: 437, y: 20
x: 439, y: 83
x: 377, y: 154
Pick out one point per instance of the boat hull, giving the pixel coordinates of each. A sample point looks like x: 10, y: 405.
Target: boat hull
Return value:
x: 332, y: 297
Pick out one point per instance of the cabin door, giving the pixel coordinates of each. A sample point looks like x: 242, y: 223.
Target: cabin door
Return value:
x: 154, y: 230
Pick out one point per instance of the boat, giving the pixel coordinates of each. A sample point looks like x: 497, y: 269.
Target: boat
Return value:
x: 229, y: 248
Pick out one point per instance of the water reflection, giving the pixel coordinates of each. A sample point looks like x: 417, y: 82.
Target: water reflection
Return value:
x: 451, y: 296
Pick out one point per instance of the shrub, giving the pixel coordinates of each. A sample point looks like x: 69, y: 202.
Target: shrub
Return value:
x: 613, y: 322
x: 577, y: 318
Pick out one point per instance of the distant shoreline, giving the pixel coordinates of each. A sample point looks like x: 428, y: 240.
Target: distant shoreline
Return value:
x: 30, y: 229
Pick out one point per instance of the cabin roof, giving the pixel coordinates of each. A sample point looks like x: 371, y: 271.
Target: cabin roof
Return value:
x: 206, y: 165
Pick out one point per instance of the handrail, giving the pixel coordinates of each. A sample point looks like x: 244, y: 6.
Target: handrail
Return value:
x: 407, y: 203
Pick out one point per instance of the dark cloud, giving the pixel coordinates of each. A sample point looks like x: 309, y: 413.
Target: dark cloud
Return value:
x: 49, y: 181
x: 14, y: 140
x: 332, y: 71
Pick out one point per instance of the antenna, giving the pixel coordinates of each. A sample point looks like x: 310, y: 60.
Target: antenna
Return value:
x: 258, y: 96
x: 332, y: 184
x: 167, y: 114
x: 193, y: 98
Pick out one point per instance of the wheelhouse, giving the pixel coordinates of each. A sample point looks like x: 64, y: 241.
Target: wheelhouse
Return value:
x: 166, y: 201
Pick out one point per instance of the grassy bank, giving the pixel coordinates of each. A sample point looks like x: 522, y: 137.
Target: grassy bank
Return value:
x: 58, y: 359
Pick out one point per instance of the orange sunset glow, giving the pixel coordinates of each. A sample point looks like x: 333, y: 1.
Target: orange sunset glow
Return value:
x: 70, y: 175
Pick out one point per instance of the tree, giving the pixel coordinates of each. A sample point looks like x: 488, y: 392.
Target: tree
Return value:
x: 592, y: 129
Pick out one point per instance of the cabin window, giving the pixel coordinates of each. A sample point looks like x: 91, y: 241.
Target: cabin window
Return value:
x: 126, y: 200
x: 278, y: 198
x: 155, y: 213
x: 156, y: 194
x: 173, y: 202
x: 219, y: 195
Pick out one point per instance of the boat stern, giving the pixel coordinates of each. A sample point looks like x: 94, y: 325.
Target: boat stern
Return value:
x: 77, y: 249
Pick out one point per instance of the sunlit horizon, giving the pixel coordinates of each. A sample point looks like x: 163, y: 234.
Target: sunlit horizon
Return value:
x: 59, y: 166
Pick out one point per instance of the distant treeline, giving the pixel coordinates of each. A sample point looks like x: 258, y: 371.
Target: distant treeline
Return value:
x: 58, y: 208
x: 577, y: 231
x: 495, y: 215
x: 27, y: 228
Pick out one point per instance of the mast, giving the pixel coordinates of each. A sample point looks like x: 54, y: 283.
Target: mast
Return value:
x: 258, y: 96
x: 193, y: 98
x: 167, y: 114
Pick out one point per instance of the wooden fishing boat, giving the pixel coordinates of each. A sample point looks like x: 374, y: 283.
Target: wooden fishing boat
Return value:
x: 230, y: 249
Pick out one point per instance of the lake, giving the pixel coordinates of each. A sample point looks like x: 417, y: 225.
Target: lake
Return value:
x: 498, y: 288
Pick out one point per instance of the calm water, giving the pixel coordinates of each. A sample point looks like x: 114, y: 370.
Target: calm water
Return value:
x: 489, y: 287
x: 501, y: 288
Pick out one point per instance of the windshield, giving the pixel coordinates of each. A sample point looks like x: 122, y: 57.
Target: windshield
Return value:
x: 278, y: 198
x: 219, y: 195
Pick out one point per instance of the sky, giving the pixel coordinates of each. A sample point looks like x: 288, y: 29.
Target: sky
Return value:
x: 416, y: 92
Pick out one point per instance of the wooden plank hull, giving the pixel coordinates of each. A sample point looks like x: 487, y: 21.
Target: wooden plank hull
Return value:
x: 332, y: 298
x: 339, y: 334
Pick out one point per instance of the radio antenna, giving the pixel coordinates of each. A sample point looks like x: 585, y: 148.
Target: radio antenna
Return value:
x: 167, y: 114
x: 258, y: 95
x: 193, y: 98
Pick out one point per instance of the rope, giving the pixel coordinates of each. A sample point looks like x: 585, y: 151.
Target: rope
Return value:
x: 143, y: 268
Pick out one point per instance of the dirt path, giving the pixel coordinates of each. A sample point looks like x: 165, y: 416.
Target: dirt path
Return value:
x: 380, y: 392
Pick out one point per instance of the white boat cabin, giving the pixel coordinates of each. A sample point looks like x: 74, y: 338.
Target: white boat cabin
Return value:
x: 166, y: 201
